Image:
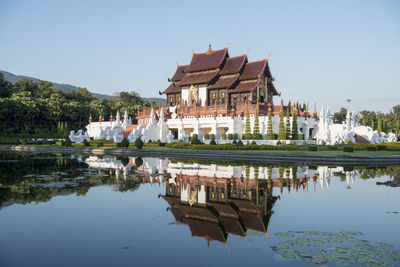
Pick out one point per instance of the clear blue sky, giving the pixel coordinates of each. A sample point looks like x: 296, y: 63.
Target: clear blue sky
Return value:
x: 322, y: 51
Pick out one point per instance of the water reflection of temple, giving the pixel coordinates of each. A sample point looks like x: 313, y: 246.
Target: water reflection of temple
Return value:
x: 213, y: 208
x: 216, y: 200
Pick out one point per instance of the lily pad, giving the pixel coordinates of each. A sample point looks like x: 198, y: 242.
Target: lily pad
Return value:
x: 282, y: 234
x: 369, y: 261
x: 318, y: 259
x: 318, y: 251
x: 343, y: 260
x: 289, y: 254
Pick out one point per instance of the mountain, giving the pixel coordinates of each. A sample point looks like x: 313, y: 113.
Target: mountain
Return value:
x: 12, y: 78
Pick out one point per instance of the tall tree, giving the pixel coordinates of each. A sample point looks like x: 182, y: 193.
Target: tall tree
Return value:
x: 288, y: 126
x: 282, y: 132
x: 270, y: 134
x: 295, y: 130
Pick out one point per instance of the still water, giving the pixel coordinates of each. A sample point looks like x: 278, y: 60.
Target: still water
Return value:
x: 75, y: 210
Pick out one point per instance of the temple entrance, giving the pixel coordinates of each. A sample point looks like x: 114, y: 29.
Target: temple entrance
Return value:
x: 175, y: 133
x: 205, y: 131
x: 189, y: 131
x: 222, y: 130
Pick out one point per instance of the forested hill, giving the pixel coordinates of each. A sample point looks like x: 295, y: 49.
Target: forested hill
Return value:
x: 12, y: 78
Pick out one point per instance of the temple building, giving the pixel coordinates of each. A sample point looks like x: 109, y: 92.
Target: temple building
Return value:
x: 223, y: 98
x: 214, y: 93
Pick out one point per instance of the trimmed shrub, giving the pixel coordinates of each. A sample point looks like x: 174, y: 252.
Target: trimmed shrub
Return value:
x: 212, y: 136
x: 124, y: 143
x: 332, y: 147
x: 279, y: 143
x: 138, y: 162
x: 371, y: 148
x: 99, y: 144
x: 312, y: 148
x: 301, y: 136
x: 206, y: 136
x: 254, y: 143
x: 235, y: 136
x: 247, y: 136
x: 223, y: 136
x: 230, y: 136
x: 381, y: 147
x: 240, y: 143
x: 86, y: 143
x: 348, y: 149
x: 212, y: 142
x: 234, y: 142
x: 138, y: 143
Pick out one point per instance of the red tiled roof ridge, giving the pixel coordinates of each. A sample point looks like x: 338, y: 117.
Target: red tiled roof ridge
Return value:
x: 192, y: 68
x: 210, y: 52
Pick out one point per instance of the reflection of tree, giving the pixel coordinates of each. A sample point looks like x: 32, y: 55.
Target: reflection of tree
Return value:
x: 58, y: 174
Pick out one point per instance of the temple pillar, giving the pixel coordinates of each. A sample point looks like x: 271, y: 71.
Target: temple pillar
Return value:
x: 306, y: 131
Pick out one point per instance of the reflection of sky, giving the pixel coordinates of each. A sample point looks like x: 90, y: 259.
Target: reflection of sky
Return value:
x: 106, y: 227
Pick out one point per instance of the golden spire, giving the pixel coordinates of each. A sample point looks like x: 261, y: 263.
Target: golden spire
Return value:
x: 192, y: 51
x: 269, y: 54
x: 229, y: 43
x: 209, y: 46
x: 177, y: 63
x: 247, y: 51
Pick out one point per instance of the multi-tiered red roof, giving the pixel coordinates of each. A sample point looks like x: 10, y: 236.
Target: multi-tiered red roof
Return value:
x: 217, y: 70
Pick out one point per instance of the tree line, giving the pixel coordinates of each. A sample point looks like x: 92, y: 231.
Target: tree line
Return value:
x: 382, y: 122
x: 39, y: 108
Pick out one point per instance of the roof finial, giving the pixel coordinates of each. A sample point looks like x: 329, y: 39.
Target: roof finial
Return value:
x: 247, y: 51
x: 177, y: 63
x: 209, y: 46
x: 192, y: 51
x: 229, y: 43
x: 269, y: 54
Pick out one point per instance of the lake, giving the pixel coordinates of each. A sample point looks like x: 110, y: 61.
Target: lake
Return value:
x: 85, y: 210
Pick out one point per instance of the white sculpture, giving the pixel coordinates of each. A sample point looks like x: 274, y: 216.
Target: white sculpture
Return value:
x: 79, y: 137
x: 170, y: 137
x: 331, y: 133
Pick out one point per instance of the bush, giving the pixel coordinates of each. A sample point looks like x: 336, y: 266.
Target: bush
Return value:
x: 223, y: 136
x: 240, y: 143
x: 118, y: 144
x: 138, y: 162
x: 86, y: 143
x: 124, y: 143
x: 24, y: 141
x: 371, y: 148
x: 99, y: 144
x: 348, y: 149
x: 206, y: 136
x: 332, y: 148
x: 278, y: 143
x: 257, y: 136
x: 312, y: 148
x: 247, y: 136
x: 381, y: 147
x: 234, y: 142
x: 254, y: 143
x: 230, y: 136
x: 301, y: 136
x: 138, y: 143
x: 235, y: 136
x: 212, y: 136
x: 212, y: 142
x: 195, y: 140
